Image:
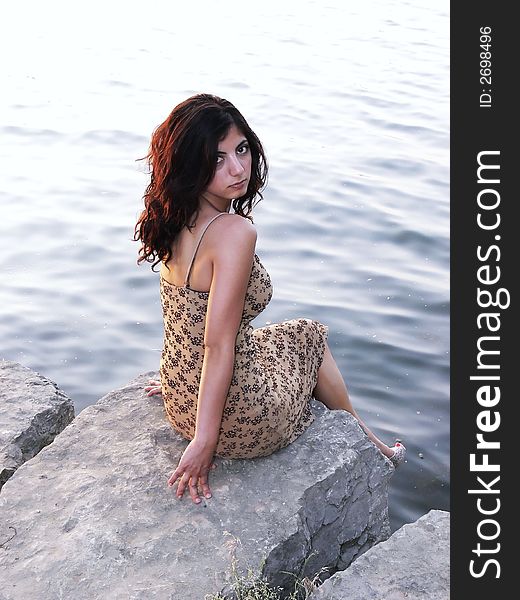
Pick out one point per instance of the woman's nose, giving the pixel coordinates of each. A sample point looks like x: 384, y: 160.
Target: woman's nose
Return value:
x: 235, y: 166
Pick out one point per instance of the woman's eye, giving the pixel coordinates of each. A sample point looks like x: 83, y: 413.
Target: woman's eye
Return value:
x: 243, y: 149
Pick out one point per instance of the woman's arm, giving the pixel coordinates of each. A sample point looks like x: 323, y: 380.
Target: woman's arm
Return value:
x: 232, y: 263
x: 231, y: 271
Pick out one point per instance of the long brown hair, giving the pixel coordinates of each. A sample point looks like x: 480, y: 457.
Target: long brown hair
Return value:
x: 182, y: 160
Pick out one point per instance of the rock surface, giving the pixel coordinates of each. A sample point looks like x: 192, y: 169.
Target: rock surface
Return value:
x: 91, y: 516
x: 33, y: 410
x: 412, y: 565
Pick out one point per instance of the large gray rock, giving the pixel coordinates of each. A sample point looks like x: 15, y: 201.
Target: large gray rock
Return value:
x: 91, y: 516
x: 33, y: 410
x: 413, y: 564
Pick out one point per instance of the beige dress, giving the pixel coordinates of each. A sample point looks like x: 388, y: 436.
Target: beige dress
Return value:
x: 275, y: 372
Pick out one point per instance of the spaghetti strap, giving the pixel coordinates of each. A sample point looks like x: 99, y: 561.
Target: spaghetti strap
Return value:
x: 186, y: 282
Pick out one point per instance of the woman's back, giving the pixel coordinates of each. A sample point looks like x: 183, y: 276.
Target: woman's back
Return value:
x: 193, y: 251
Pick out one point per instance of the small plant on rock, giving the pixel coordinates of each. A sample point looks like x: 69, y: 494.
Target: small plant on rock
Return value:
x: 254, y: 587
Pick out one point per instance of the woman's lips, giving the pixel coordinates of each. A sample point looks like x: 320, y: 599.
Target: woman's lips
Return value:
x: 239, y: 184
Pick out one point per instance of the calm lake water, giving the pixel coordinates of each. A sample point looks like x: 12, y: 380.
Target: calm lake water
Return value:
x: 351, y: 101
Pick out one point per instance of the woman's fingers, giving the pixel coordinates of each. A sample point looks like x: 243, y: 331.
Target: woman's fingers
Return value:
x: 183, y: 482
x: 194, y: 492
x: 174, y: 476
x: 193, y: 469
x: 152, y: 391
x: 192, y: 483
x: 205, y: 486
x: 153, y: 387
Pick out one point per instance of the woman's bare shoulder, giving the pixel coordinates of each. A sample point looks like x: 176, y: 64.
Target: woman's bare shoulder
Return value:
x: 233, y: 229
x: 236, y: 221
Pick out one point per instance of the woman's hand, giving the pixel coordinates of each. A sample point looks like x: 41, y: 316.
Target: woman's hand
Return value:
x: 153, y: 387
x: 193, y: 469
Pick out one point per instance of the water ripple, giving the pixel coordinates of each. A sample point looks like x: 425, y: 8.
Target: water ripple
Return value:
x: 353, y: 228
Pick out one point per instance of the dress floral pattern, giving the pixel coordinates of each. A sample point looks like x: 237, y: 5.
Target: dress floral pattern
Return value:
x: 275, y: 371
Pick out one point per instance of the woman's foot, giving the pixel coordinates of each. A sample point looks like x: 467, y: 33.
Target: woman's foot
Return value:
x: 399, y: 452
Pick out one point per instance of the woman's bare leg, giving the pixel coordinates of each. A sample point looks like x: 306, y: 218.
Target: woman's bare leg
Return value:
x: 332, y: 391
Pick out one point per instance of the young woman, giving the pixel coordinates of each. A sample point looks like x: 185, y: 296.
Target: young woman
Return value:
x: 232, y: 390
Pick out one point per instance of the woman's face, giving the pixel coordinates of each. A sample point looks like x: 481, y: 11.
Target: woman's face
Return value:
x: 233, y: 167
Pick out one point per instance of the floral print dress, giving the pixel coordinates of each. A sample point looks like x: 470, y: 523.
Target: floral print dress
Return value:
x: 275, y: 372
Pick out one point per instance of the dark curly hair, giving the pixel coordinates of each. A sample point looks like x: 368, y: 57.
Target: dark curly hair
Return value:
x: 182, y: 160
